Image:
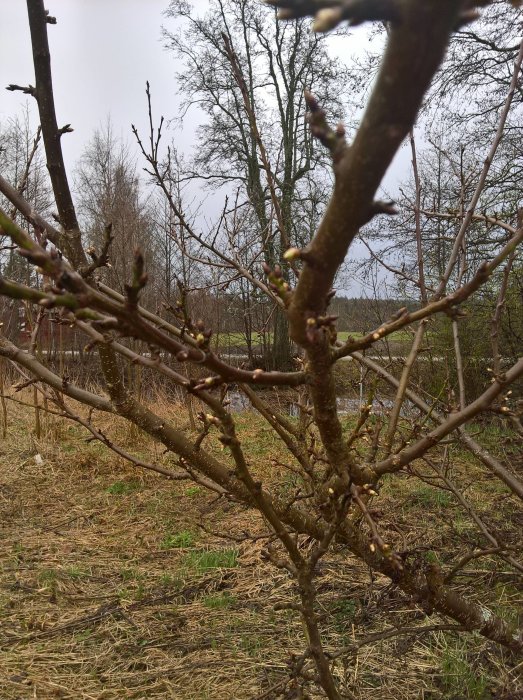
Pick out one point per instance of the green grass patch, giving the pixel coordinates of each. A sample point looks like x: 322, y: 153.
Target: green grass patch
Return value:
x: 77, y: 572
x: 170, y: 581
x: 344, y: 613
x: 83, y: 635
x: 131, y: 574
x: 428, y: 496
x: 193, y: 491
x: 48, y: 576
x: 126, y: 594
x: 252, y: 645
x: 179, y: 540
x: 203, y: 561
x: 431, y: 557
x: 219, y: 602
x: 123, y: 488
x: 458, y: 676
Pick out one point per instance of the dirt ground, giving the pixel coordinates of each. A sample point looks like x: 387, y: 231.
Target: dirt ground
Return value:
x: 110, y: 588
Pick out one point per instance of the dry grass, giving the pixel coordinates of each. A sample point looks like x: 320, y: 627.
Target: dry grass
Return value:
x: 109, y: 589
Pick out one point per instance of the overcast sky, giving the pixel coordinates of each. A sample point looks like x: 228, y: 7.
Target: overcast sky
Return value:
x: 103, y: 52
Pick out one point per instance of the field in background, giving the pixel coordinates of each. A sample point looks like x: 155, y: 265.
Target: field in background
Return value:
x: 111, y: 589
x: 224, y: 341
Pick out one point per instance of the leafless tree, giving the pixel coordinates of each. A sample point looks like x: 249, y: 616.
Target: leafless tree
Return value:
x: 110, y: 195
x: 248, y: 75
x: 23, y: 165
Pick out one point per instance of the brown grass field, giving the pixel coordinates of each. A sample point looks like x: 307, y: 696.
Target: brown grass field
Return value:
x: 110, y: 588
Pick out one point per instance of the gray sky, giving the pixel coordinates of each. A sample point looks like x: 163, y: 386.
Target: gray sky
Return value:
x: 103, y: 52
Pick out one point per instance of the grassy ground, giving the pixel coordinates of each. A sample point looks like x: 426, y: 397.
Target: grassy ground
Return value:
x: 237, y: 340
x: 110, y: 588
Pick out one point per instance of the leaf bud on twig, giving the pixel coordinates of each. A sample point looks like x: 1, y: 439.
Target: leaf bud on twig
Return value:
x: 292, y: 254
x: 327, y: 19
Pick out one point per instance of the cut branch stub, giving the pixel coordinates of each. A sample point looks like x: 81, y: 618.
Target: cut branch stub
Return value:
x: 26, y: 89
x: 378, y: 207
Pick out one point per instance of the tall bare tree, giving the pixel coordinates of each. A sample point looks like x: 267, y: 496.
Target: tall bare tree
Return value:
x: 248, y: 75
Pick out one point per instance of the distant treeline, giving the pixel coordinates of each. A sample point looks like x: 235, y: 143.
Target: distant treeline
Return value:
x: 220, y: 312
x: 360, y: 314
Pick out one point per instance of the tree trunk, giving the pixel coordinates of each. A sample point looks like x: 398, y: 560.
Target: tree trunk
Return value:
x: 281, y: 350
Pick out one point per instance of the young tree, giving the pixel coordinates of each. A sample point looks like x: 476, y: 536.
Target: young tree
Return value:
x: 339, y: 474
x: 23, y: 164
x: 111, y: 205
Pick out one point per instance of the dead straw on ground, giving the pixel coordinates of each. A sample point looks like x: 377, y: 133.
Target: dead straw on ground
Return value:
x: 111, y: 590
